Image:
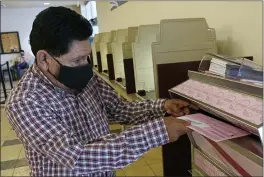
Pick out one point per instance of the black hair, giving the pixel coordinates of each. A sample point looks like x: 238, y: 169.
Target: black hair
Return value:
x: 55, y: 28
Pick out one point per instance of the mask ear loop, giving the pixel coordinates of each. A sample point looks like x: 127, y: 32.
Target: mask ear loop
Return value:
x: 57, y: 62
x: 55, y: 59
x: 89, y: 59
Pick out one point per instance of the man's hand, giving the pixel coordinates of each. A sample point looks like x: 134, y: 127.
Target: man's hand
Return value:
x: 176, y: 107
x: 176, y: 127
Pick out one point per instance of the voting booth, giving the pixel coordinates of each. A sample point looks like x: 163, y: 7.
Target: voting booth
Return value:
x: 96, y: 51
x: 128, y: 60
x: 121, y: 36
x: 142, y: 59
x: 123, y: 58
x: 106, y: 51
x: 234, y: 107
x: 181, y: 45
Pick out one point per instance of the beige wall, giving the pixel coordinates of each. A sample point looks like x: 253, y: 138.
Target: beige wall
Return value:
x: 75, y: 8
x: 238, y: 24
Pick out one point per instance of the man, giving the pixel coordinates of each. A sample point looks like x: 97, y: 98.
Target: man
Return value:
x: 60, y: 110
x: 20, y: 64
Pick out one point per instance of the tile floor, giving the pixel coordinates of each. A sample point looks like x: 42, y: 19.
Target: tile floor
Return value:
x: 13, y: 162
x: 8, y: 88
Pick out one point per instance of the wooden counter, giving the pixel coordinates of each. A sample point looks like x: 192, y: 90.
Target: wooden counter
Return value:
x: 119, y: 90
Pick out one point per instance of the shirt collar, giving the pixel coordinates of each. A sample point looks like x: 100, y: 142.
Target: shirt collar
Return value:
x: 37, y: 71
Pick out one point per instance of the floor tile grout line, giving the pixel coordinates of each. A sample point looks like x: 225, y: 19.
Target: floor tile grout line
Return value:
x: 152, y: 170
x: 154, y: 163
x: 16, y: 165
x: 16, y: 159
x: 19, y: 156
x: 6, y: 135
x: 123, y: 172
x: 20, y: 152
x: 151, y: 163
x: 147, y: 165
x: 13, y: 172
x: 10, y: 166
x: 10, y: 169
x: 16, y: 140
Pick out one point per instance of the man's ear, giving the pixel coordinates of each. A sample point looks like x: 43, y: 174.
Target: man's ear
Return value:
x: 42, y: 58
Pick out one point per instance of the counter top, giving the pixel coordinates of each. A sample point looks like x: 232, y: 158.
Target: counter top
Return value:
x: 120, y: 91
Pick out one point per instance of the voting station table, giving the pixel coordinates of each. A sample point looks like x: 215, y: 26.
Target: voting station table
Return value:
x: 121, y: 92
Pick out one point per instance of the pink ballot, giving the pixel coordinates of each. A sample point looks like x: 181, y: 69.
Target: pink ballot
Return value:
x: 213, y: 129
x: 237, y: 104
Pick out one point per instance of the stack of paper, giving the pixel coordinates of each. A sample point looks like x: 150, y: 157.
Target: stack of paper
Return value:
x: 258, y: 83
x: 219, y: 67
x: 244, y: 72
x: 237, y: 68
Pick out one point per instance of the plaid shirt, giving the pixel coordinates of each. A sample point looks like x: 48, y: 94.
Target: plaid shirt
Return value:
x: 68, y: 135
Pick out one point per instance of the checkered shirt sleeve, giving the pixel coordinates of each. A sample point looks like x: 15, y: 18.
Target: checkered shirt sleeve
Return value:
x: 42, y: 130
x: 129, y: 112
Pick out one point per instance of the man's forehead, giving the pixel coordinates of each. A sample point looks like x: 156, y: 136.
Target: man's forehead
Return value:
x: 79, y: 48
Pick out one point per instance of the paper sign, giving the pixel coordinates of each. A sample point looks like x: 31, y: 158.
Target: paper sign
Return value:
x: 213, y: 129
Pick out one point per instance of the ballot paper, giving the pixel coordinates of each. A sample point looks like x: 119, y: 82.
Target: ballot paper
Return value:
x: 213, y: 129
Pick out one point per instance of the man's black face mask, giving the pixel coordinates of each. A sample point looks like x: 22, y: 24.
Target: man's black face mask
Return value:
x: 74, y: 77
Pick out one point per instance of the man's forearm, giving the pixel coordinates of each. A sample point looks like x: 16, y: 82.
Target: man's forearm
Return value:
x: 129, y: 112
x: 117, y: 151
x: 158, y: 107
x: 134, y: 113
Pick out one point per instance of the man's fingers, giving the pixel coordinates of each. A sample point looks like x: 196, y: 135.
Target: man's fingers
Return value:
x: 182, y: 126
x: 186, y: 111
x: 179, y: 112
x: 176, y: 127
x: 186, y: 130
x: 175, y: 110
x: 194, y: 107
x: 179, y: 122
x: 180, y: 103
x: 176, y: 114
x: 184, y: 122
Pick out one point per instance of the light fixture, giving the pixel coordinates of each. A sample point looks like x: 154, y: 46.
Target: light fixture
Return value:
x: 46, y: 3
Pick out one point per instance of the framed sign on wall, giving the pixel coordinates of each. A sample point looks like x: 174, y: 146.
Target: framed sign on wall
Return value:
x: 116, y: 4
x: 1, y: 48
x: 10, y: 42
